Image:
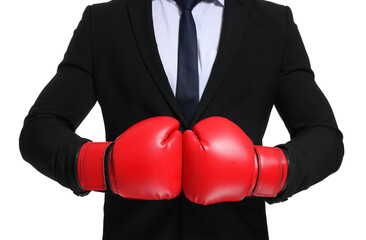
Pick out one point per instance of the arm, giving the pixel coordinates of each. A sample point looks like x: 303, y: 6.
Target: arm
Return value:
x: 316, y: 149
x: 48, y: 140
x: 221, y: 164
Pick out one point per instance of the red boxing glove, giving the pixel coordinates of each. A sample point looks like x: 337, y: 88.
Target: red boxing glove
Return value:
x: 145, y: 161
x: 221, y: 164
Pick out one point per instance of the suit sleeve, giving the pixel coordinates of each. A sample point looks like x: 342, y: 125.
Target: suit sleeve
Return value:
x: 316, y: 147
x: 48, y: 140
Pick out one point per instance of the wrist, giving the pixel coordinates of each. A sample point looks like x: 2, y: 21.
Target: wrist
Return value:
x: 272, y: 171
x: 91, y: 168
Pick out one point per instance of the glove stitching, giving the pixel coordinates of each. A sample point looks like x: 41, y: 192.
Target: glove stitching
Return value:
x: 279, y: 163
x: 251, y: 180
x: 259, y: 181
x: 282, y: 163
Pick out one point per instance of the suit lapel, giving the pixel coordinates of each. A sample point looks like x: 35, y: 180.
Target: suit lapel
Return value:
x: 141, y: 18
x: 233, y: 27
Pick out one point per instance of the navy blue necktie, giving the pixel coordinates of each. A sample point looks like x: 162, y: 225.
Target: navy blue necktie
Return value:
x: 187, y: 93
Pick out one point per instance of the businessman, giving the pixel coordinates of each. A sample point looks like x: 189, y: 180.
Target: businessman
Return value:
x: 186, y: 89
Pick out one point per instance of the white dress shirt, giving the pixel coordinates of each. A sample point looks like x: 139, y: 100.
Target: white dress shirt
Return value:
x: 208, y: 15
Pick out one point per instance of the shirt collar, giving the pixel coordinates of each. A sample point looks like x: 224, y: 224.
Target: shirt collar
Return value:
x: 221, y: 2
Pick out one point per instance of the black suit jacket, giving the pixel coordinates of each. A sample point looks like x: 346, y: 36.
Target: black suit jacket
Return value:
x: 113, y: 59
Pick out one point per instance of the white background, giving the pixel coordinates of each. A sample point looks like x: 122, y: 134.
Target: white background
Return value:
x: 34, y: 35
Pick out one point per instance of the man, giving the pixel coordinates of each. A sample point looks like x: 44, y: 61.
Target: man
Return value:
x: 120, y: 55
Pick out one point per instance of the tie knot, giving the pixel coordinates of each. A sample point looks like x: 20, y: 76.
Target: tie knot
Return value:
x: 187, y: 4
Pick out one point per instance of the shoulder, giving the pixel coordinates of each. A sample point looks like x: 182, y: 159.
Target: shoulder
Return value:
x: 269, y: 9
x: 267, y: 4
x: 270, y: 14
x: 107, y: 12
x: 107, y: 8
